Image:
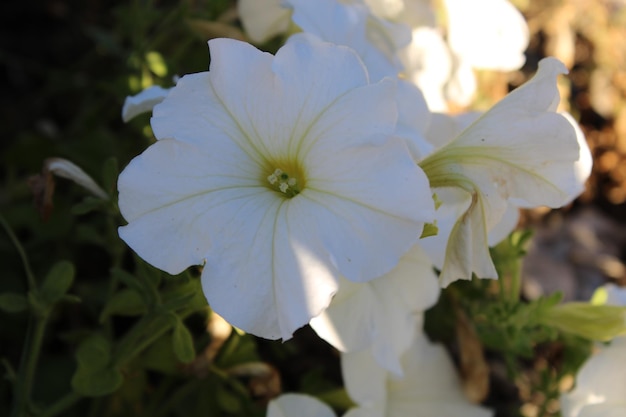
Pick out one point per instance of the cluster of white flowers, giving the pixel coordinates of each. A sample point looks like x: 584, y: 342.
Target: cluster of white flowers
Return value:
x: 303, y: 181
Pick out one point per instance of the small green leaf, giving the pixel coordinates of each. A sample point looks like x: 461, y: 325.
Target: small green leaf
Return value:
x: 57, y: 282
x: 98, y: 383
x: 127, y: 302
x: 13, y: 303
x: 94, y: 353
x: 135, y: 284
x: 182, y: 343
x: 95, y: 376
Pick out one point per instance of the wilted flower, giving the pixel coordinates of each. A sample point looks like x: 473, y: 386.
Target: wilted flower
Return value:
x: 279, y: 174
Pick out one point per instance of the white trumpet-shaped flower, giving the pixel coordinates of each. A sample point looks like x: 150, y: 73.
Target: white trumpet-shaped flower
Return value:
x: 280, y: 174
x: 520, y: 152
x: 429, y: 386
x: 382, y: 315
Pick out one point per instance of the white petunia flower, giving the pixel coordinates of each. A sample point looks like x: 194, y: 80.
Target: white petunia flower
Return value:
x: 493, y: 40
x: 430, y: 385
x: 444, y: 69
x: 376, y: 40
x: 298, y: 405
x: 520, y: 152
x: 279, y: 174
x: 382, y: 315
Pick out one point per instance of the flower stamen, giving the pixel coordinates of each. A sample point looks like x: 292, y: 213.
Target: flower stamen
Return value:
x: 281, y: 181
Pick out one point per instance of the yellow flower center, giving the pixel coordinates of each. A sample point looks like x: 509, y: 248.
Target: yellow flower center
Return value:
x: 287, y: 182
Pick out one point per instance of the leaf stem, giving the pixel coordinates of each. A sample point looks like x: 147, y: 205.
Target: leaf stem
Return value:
x: 61, y: 405
x: 32, y: 283
x: 28, y: 364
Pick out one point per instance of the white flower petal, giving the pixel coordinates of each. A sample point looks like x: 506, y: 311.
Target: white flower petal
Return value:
x: 143, y: 102
x: 164, y: 197
x: 383, y: 314
x: 353, y: 25
x: 461, y: 86
x: 364, y: 380
x: 428, y: 64
x: 527, y: 149
x: 600, y: 383
x: 413, y: 119
x: 298, y: 405
x: 263, y: 19
x: 443, y: 128
x: 505, y: 226
x: 484, y: 41
x: 64, y: 168
x: 429, y: 387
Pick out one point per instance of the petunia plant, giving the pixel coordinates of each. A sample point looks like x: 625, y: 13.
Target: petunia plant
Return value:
x: 285, y: 228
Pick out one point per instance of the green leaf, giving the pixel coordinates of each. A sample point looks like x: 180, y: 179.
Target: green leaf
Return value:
x: 182, y: 343
x: 94, y: 353
x: 95, y: 375
x: 57, y: 282
x: 97, y: 384
x: 126, y: 302
x: 228, y: 400
x: 13, y: 303
x: 137, y: 284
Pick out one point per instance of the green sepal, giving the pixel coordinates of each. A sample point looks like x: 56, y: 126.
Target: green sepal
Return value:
x: 430, y: 229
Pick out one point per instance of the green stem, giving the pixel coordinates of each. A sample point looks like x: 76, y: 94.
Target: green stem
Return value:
x: 516, y: 282
x: 32, y: 284
x: 28, y: 365
x: 61, y: 405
